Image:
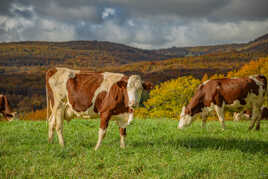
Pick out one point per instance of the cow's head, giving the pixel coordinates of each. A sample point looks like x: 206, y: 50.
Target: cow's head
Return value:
x: 9, y: 116
x: 185, y: 119
x: 134, y: 90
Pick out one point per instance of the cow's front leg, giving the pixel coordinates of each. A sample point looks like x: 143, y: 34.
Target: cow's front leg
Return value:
x: 123, y: 133
x: 105, y: 117
x: 220, y: 113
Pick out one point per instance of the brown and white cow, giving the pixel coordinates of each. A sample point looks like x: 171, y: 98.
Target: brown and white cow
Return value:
x: 84, y: 94
x: 5, y: 108
x: 237, y: 93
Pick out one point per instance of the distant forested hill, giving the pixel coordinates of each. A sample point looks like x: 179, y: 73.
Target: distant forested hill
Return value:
x: 23, y: 64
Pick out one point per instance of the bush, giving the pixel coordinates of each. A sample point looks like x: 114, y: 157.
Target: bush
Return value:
x: 167, y: 99
x: 35, y: 115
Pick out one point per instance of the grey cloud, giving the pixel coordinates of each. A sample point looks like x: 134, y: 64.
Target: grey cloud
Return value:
x: 140, y: 23
x: 24, y: 13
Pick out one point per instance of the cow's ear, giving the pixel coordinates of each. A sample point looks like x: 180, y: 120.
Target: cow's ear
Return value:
x: 147, y: 85
x: 122, y: 84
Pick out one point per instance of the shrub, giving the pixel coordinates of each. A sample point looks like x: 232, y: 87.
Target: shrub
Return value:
x: 35, y: 115
x: 167, y: 99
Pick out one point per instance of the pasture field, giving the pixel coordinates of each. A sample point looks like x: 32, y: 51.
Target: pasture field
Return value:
x: 155, y: 148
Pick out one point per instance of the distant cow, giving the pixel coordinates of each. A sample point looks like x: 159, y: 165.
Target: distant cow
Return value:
x: 247, y: 114
x: 84, y: 94
x: 5, y: 108
x: 237, y: 93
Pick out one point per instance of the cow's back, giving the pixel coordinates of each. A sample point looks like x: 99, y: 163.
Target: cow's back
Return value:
x: 230, y: 90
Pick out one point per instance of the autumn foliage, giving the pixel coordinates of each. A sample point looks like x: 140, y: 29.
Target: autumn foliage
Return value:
x: 167, y: 99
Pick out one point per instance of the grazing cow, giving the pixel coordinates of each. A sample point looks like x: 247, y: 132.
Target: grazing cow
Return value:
x: 237, y: 93
x: 5, y: 108
x: 84, y: 94
x: 248, y: 114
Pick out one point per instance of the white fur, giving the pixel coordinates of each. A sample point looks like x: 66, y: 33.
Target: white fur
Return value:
x: 134, y: 90
x: 101, y: 136
x: 205, y: 82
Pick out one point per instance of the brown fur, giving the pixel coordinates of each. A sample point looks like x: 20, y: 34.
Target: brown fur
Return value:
x: 5, y: 108
x: 81, y: 90
x: 226, y: 90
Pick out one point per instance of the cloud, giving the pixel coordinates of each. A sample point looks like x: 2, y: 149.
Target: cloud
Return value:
x: 140, y: 23
x: 108, y: 12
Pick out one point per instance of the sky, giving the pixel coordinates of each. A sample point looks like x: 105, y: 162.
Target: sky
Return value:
x: 147, y: 24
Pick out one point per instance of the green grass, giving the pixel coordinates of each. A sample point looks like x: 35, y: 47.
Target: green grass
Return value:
x: 154, y: 149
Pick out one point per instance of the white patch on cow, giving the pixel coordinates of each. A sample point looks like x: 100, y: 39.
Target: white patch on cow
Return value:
x: 185, y: 119
x: 108, y: 80
x: 58, y: 83
x: 240, y: 115
x: 134, y: 90
x: 101, y: 136
x: 236, y: 116
x: 220, y: 113
x: 254, y: 77
x: 123, y: 120
x: 122, y: 141
x: 235, y: 104
x: 205, y: 82
x: 130, y: 118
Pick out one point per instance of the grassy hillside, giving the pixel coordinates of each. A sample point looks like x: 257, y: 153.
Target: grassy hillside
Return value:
x: 155, y: 149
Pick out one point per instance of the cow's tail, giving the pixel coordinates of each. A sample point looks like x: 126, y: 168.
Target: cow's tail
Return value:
x: 47, y: 98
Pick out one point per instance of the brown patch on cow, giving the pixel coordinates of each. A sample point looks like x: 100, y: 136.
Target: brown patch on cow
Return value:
x: 99, y: 101
x: 4, y: 107
x: 124, y: 78
x: 217, y: 91
x: 49, y: 73
x: 81, y: 89
x: 117, y: 99
x: 123, y: 131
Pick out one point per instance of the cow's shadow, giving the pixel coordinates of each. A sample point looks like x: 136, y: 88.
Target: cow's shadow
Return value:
x: 204, y: 143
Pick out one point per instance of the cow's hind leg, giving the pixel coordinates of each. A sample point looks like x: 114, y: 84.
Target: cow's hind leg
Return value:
x: 59, y: 126
x: 204, y: 118
x: 51, y: 127
x: 105, y: 117
x: 256, y: 116
x: 220, y: 114
x: 123, y: 133
x: 258, y: 125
